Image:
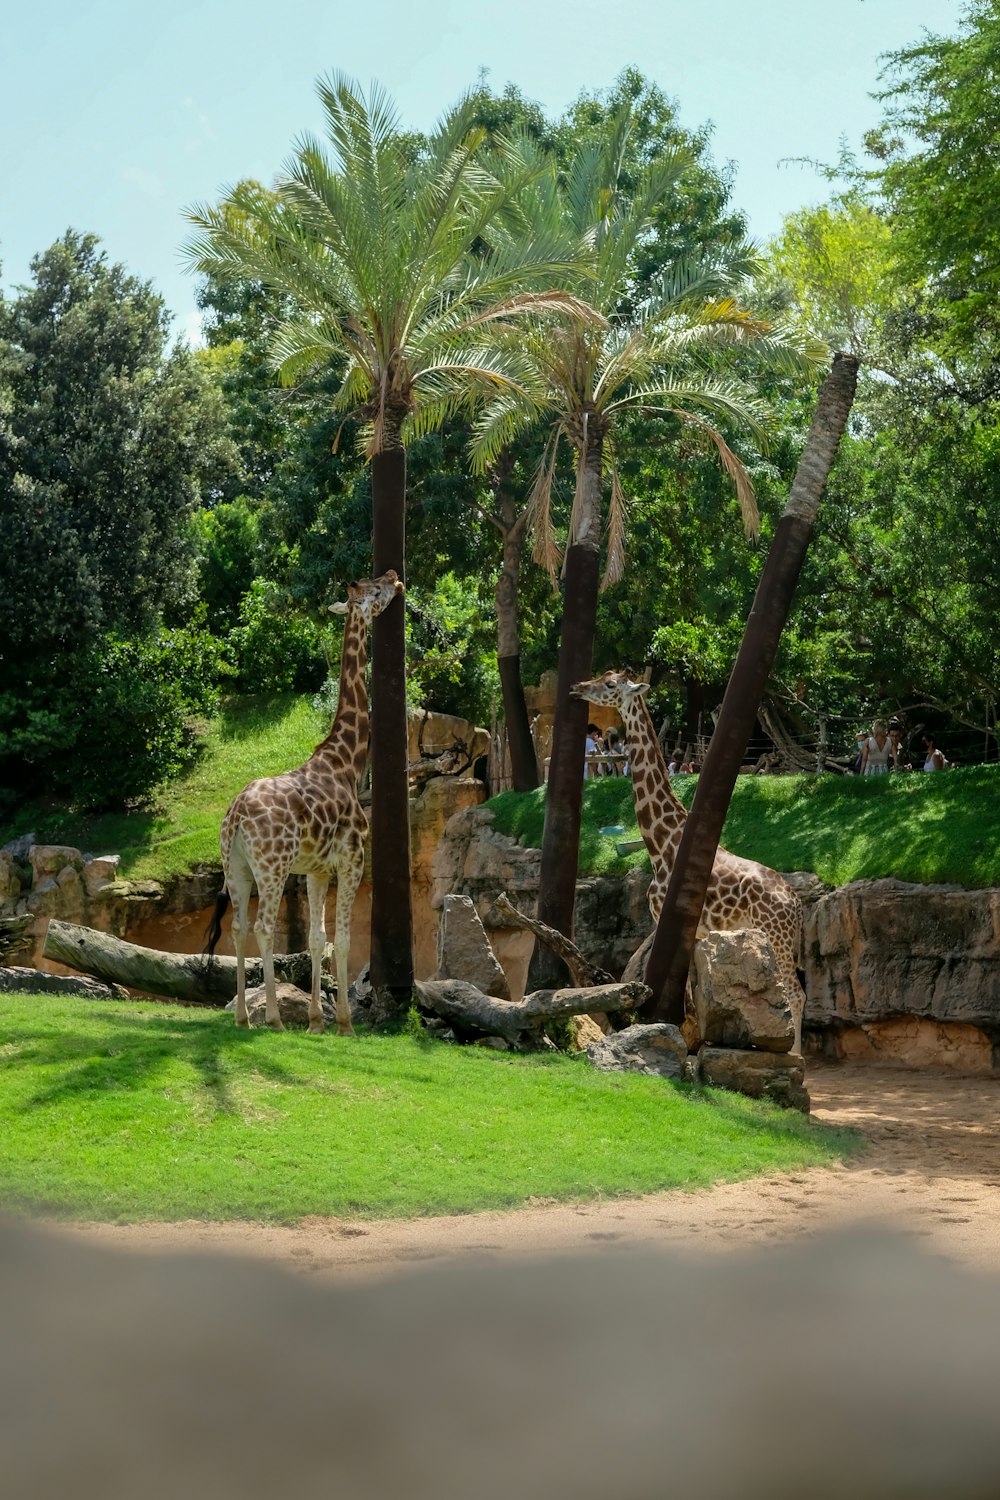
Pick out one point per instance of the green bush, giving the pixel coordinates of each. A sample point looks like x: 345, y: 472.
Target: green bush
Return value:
x: 122, y: 718
x: 273, y: 650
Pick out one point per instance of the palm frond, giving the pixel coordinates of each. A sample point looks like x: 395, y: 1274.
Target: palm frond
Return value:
x: 545, y: 545
x: 742, y: 482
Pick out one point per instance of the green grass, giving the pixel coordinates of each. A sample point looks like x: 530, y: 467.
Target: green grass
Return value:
x: 250, y: 738
x: 138, y: 1111
x: 925, y: 829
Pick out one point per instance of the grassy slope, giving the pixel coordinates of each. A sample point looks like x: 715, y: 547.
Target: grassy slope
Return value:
x: 139, y: 1110
x: 249, y: 739
x: 914, y: 827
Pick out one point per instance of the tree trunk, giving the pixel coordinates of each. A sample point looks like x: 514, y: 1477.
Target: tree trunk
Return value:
x: 564, y: 793
x: 673, y: 943
x: 392, y: 910
x: 173, y: 976
x: 523, y: 1021
x: 523, y: 761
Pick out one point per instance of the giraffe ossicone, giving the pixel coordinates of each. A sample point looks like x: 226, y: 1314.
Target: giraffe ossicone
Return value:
x: 308, y: 822
x: 741, y: 892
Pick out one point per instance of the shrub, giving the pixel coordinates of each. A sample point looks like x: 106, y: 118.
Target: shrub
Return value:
x: 272, y: 649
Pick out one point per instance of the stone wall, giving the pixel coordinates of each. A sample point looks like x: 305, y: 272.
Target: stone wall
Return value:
x: 893, y: 971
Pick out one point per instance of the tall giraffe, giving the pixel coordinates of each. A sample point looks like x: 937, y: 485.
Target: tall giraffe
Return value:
x: 307, y: 822
x: 741, y: 892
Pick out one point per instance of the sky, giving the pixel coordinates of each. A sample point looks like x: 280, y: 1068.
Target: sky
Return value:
x: 115, y: 117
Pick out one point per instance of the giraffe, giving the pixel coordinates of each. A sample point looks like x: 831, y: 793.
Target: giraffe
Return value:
x: 741, y: 892
x: 308, y: 821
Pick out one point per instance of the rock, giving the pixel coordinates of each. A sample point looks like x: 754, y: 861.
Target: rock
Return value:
x: 584, y: 1032
x: 10, y: 878
x: 35, y: 982
x: 293, y: 1006
x: 876, y: 950
x: 658, y: 1050
x: 779, y: 1077
x: 47, y: 860
x: 19, y: 848
x: 99, y: 872
x: 740, y: 999
x: 430, y: 735
x: 464, y: 950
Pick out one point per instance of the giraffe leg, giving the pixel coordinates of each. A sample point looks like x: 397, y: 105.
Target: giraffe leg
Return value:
x: 239, y: 883
x: 349, y: 872
x: 269, y: 899
x: 317, y: 886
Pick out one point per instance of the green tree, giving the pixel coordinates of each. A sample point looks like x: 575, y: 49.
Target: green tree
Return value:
x: 107, y: 444
x: 380, y: 248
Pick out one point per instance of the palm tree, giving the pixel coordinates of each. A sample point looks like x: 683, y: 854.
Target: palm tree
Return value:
x: 673, y: 944
x: 395, y: 258
x: 663, y: 353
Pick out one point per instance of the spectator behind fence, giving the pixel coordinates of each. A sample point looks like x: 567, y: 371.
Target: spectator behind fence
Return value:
x: 676, y: 764
x: 612, y: 741
x: 593, y: 746
x: 878, y: 750
x: 934, y: 759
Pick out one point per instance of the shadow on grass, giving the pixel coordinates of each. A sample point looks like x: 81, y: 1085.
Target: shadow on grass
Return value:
x: 248, y: 718
x: 129, y: 1055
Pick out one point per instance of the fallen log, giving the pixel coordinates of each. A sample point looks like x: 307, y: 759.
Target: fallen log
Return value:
x: 581, y: 970
x: 521, y: 1022
x: 172, y: 976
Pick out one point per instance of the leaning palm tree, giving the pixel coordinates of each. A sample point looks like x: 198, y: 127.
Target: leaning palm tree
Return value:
x: 395, y: 258
x: 669, y: 351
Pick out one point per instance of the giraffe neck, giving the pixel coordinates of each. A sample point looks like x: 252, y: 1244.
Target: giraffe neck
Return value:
x: 659, y: 814
x: 346, y: 746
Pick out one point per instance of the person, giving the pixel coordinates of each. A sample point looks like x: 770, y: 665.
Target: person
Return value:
x: 592, y: 746
x: 612, y: 742
x: 934, y: 759
x: 878, y: 751
x: 676, y: 764
x: 859, y: 753
x: 896, y: 736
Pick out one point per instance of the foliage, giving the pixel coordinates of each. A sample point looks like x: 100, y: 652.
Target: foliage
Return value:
x: 274, y: 649
x: 941, y: 176
x: 452, y: 669
x: 161, y: 1112
x: 107, y: 443
x: 124, y: 718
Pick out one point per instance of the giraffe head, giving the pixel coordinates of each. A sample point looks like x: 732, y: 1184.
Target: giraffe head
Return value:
x: 613, y: 689
x: 371, y: 596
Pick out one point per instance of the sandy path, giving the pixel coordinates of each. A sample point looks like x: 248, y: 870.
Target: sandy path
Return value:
x: 932, y: 1166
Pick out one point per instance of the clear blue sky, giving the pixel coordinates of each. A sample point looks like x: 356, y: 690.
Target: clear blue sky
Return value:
x: 114, y: 116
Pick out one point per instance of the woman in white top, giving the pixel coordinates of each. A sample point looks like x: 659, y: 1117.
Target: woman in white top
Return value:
x: 878, y: 750
x: 935, y: 758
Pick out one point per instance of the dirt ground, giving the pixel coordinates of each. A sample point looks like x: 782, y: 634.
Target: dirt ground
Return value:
x: 931, y: 1166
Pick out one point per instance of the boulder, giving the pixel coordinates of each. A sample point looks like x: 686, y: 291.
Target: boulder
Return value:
x: 657, y: 1050
x: 15, y: 981
x: 10, y: 878
x: 19, y: 848
x: 740, y: 998
x: 464, y: 950
x: 293, y: 1007
x: 99, y: 872
x: 430, y: 735
x: 47, y: 860
x: 778, y: 1076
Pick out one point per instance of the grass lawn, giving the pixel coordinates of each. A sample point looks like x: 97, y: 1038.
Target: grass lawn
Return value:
x: 136, y: 1110
x: 926, y: 829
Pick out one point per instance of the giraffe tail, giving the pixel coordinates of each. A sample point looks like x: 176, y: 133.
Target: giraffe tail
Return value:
x: 214, y: 930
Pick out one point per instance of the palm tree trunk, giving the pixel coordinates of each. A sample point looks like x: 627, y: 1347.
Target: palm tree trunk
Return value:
x: 673, y: 943
x: 564, y: 793
x: 523, y: 763
x: 392, y: 910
